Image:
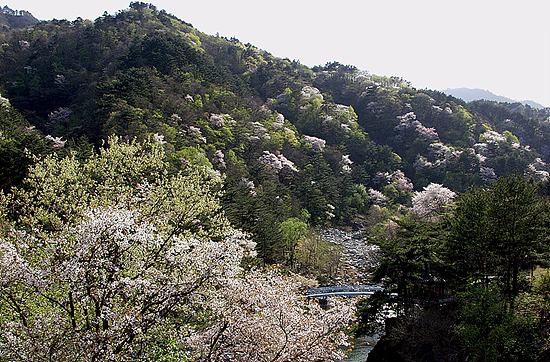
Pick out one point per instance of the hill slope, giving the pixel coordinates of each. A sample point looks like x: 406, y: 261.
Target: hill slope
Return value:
x: 317, y: 144
x: 14, y: 19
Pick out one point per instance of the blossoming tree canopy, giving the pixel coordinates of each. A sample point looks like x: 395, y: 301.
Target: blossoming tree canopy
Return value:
x: 432, y: 200
x: 113, y: 259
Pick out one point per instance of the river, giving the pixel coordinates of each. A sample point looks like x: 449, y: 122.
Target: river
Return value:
x: 362, y: 347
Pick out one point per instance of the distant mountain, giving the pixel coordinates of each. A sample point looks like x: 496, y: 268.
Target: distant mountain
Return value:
x: 15, y: 19
x: 469, y: 94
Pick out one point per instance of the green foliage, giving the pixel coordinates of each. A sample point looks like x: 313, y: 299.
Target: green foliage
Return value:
x: 410, y: 253
x: 491, y: 332
x: 498, y: 231
x: 318, y: 258
x: 292, y: 231
x: 18, y: 141
x: 57, y: 190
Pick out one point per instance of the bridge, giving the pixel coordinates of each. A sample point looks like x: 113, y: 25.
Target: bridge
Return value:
x: 344, y: 291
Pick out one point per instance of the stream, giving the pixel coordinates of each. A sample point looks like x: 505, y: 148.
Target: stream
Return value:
x: 359, y: 257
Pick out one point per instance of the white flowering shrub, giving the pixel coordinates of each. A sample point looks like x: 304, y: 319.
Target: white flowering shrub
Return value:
x: 218, y: 120
x: 159, y: 138
x: 4, y: 102
x: 493, y: 137
x: 57, y: 141
x: 377, y: 197
x: 409, y: 121
x: 276, y: 162
x: 422, y: 163
x: 111, y: 259
x: 220, y: 159
x: 59, y: 116
x: 538, y: 170
x: 432, y: 200
x: 400, y: 181
x: 279, y: 122
x: 317, y: 144
x: 427, y: 133
x: 311, y: 92
x: 488, y: 174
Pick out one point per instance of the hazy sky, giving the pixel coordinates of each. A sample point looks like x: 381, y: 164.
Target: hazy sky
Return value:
x: 499, y: 45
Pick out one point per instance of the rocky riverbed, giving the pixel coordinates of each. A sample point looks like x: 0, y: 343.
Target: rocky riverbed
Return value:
x: 358, y: 255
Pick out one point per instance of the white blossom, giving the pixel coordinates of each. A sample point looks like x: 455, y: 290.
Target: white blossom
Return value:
x: 440, y: 150
x: 218, y: 120
x: 59, y: 116
x: 422, y: 163
x: 317, y: 144
x: 311, y: 92
x: 493, y: 137
x: 405, y: 121
x: 346, y: 169
x: 427, y: 134
x: 345, y: 160
x: 346, y: 127
x: 537, y: 170
x: 276, y: 162
x: 264, y: 312
x: 60, y: 79
x: 432, y: 200
x: 399, y: 180
x: 487, y: 174
x: 482, y: 149
x: 4, y: 102
x: 220, y: 158
x: 142, y: 265
x: 377, y: 197
x: 57, y: 141
x: 247, y: 183
x: 260, y: 131
x: 158, y: 138
x: 195, y: 130
x: 175, y: 119
x: 346, y: 164
x: 279, y: 122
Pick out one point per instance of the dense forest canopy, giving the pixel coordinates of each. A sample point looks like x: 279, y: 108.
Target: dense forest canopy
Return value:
x: 98, y: 118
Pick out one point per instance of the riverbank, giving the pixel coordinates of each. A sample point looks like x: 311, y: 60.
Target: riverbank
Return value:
x: 359, y: 257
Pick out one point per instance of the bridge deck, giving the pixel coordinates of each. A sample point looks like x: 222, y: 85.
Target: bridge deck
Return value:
x: 344, y: 291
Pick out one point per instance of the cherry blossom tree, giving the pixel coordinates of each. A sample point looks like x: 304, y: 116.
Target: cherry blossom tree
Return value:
x: 276, y: 162
x: 432, y: 200
x: 113, y: 259
x: 279, y: 324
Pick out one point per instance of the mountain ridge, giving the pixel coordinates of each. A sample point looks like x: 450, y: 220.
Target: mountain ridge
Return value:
x: 15, y: 19
x: 472, y: 94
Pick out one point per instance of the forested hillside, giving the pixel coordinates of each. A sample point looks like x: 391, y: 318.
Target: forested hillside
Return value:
x: 128, y: 119
x: 293, y: 142
x: 12, y: 19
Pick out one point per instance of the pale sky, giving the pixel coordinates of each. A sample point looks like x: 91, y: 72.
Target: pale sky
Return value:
x: 499, y: 45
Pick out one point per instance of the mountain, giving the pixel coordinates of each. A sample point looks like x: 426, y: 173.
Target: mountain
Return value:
x: 320, y: 144
x: 15, y: 19
x: 469, y: 94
